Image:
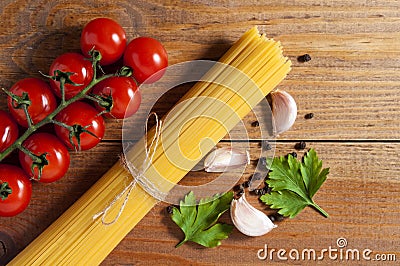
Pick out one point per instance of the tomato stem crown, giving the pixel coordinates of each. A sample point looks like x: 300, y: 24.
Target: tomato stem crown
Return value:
x: 76, y: 132
x: 18, y: 101
x: 125, y: 71
x: 5, y: 190
x: 40, y: 162
x: 105, y: 101
x: 95, y: 55
x: 21, y: 102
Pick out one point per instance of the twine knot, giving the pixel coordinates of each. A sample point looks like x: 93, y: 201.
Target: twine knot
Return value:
x: 137, y: 174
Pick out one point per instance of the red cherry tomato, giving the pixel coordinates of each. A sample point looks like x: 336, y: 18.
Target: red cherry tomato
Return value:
x: 125, y: 96
x: 42, y: 100
x: 18, y: 185
x: 86, y: 116
x: 106, y: 36
x: 77, y: 64
x: 146, y: 56
x: 57, y: 157
x: 8, y: 130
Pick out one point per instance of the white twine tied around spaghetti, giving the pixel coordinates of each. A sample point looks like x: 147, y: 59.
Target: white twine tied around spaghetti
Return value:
x: 138, y: 175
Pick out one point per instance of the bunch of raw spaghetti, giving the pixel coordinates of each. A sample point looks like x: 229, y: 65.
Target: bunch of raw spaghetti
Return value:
x: 78, y: 239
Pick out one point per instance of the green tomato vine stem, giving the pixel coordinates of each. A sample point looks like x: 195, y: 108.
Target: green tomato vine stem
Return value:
x: 28, y: 116
x: 64, y: 103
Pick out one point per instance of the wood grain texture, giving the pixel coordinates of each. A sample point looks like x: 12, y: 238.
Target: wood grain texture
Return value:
x: 360, y: 209
x: 351, y: 85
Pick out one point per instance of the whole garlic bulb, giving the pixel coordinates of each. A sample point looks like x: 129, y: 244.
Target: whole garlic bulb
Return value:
x: 248, y: 220
x: 284, y: 110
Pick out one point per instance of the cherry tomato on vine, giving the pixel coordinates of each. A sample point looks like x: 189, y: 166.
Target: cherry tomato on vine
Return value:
x: 77, y: 64
x: 8, y: 130
x: 15, y: 190
x: 84, y: 118
x: 146, y: 56
x: 125, y: 96
x: 42, y: 100
x: 57, y: 157
x: 106, y: 36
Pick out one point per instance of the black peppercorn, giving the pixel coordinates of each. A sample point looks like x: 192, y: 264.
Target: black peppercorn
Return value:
x: 294, y: 154
x: 272, y: 218
x: 263, y: 161
x: 276, y: 217
x: 238, y: 187
x: 300, y: 146
x: 170, y: 209
x: 304, y: 58
x: 259, y: 191
x: 267, y: 190
x: 279, y: 217
x: 255, y: 177
x: 309, y: 116
x: 246, y: 184
x: 255, y: 124
x: 265, y: 145
x: 239, y: 193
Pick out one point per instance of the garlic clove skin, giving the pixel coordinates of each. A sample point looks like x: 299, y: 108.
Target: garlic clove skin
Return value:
x: 248, y: 220
x: 224, y: 159
x: 284, y: 110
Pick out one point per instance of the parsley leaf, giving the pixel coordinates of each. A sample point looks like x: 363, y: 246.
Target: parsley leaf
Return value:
x: 199, y: 222
x: 294, y: 183
x: 311, y: 172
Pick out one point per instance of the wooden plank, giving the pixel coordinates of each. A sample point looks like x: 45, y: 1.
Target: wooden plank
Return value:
x: 351, y: 84
x: 361, y: 195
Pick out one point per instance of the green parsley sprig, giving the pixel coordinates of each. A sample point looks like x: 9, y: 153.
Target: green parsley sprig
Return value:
x: 293, y: 183
x: 199, y: 222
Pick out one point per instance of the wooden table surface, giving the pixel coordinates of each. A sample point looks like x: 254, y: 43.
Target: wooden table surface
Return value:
x: 352, y: 85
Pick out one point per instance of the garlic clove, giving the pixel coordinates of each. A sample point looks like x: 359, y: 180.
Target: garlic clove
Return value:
x: 248, y: 220
x: 284, y: 110
x: 224, y: 159
x: 200, y: 165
